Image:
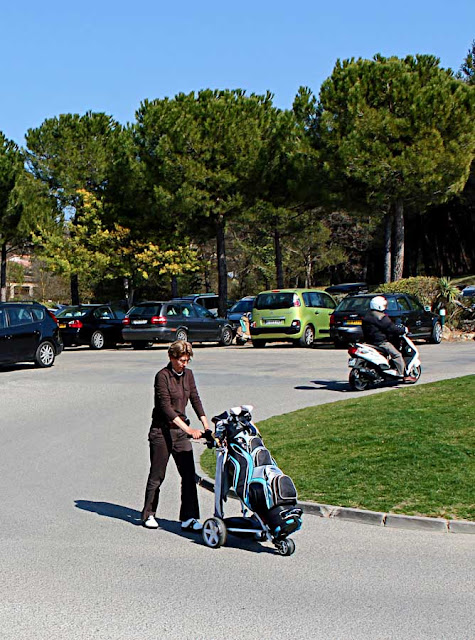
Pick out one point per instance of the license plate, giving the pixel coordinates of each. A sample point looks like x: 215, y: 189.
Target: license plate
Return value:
x: 139, y: 322
x: 353, y: 322
x: 273, y: 321
x: 62, y: 326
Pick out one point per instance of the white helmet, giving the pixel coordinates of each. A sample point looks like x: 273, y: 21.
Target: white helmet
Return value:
x: 378, y: 303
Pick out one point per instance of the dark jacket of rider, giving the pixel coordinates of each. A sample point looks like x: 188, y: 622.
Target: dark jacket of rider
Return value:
x: 378, y: 328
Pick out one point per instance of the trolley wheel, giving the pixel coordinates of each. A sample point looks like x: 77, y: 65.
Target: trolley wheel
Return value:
x: 286, y: 547
x: 214, y: 533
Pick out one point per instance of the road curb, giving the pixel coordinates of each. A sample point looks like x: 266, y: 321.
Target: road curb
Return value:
x: 375, y: 518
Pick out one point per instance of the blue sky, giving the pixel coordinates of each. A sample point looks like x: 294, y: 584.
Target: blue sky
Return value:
x: 74, y: 56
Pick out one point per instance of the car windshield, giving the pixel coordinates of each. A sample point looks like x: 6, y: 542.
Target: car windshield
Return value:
x: 275, y: 300
x: 145, y: 310
x: 74, y: 312
x: 242, y: 306
x: 354, y: 304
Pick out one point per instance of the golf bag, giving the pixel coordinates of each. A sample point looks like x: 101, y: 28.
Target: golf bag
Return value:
x: 251, y: 471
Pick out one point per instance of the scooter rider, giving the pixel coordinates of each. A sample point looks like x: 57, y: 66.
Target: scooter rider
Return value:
x: 378, y: 329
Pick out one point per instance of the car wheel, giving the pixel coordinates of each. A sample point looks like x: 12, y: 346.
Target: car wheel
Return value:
x: 140, y: 344
x: 258, y: 344
x: 308, y: 336
x: 226, y: 337
x: 339, y: 343
x: 181, y: 334
x: 97, y: 340
x: 45, y: 354
x: 436, y: 335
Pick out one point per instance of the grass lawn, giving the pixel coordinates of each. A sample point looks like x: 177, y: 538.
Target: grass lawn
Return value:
x: 406, y: 451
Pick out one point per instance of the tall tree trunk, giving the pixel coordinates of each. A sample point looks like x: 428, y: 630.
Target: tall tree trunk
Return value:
x: 388, y: 234
x: 222, y: 267
x: 3, y: 273
x: 279, y: 270
x: 174, y: 284
x: 398, y: 255
x: 75, y: 290
x: 129, y: 292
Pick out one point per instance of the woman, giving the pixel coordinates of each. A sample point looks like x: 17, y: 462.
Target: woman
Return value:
x: 170, y: 434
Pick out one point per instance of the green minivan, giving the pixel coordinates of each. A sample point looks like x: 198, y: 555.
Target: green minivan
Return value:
x: 300, y: 316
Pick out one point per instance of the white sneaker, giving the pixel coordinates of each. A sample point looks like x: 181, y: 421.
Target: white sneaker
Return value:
x: 150, y: 523
x: 191, y: 525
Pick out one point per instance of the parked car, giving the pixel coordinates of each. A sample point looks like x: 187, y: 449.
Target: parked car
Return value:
x: 347, y: 288
x: 242, y: 306
x: 300, y: 316
x: 469, y: 291
x: 28, y: 333
x: 178, y: 319
x: 96, y: 325
x: 345, y: 322
x: 207, y: 300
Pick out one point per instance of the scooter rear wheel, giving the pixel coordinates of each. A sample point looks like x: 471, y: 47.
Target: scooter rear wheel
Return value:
x: 357, y: 382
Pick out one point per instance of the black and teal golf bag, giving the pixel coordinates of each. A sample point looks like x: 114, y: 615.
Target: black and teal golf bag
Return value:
x: 247, y: 467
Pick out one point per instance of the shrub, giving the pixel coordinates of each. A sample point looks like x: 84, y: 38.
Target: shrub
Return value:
x: 427, y: 289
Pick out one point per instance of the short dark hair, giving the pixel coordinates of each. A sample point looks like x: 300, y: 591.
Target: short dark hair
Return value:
x: 180, y: 348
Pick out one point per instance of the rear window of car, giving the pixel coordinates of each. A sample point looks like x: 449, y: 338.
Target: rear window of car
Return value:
x: 354, y: 304
x: 208, y: 302
x: 73, y: 312
x: 242, y: 306
x: 275, y: 300
x: 146, y: 310
x: 38, y: 314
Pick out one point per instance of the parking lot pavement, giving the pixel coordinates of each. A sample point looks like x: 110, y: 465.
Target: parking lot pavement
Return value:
x: 76, y: 564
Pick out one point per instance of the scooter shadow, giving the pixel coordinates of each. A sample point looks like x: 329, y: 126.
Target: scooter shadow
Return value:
x: 244, y: 544
x: 327, y: 385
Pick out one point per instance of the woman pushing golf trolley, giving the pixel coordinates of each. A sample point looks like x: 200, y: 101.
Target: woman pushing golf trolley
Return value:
x: 268, y: 497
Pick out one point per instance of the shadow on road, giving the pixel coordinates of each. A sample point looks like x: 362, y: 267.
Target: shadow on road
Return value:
x: 172, y: 526
x: 119, y: 512
x: 327, y: 385
x: 110, y: 510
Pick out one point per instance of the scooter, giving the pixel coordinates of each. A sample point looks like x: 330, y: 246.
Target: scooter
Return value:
x: 371, y: 366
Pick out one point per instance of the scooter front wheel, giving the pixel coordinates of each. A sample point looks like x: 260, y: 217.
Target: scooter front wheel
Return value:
x: 415, y: 373
x: 358, y: 382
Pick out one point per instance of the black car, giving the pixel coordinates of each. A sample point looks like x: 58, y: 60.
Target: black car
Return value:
x: 28, y: 333
x: 345, y: 321
x: 242, y: 306
x: 96, y: 325
x: 176, y: 319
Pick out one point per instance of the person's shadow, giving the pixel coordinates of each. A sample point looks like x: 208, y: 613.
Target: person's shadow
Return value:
x: 133, y: 517
x: 110, y: 510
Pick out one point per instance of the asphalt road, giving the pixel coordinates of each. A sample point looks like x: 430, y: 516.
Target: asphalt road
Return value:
x: 75, y: 564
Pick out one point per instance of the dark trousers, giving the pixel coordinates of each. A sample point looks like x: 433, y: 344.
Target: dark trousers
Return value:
x: 163, y: 443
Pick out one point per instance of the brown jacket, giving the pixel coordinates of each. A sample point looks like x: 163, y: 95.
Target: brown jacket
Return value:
x: 172, y: 393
